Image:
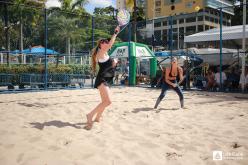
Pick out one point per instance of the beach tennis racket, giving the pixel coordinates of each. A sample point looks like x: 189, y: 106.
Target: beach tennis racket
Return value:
x: 123, y: 18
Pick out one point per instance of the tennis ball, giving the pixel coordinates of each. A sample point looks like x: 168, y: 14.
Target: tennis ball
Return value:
x: 197, y: 8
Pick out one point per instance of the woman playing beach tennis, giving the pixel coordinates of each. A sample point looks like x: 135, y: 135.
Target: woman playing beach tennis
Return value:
x: 104, y: 76
x: 170, y: 81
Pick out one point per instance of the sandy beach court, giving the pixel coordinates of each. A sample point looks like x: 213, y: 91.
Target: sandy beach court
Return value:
x: 46, y: 128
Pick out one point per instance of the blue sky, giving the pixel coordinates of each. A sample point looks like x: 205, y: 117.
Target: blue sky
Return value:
x: 89, y: 7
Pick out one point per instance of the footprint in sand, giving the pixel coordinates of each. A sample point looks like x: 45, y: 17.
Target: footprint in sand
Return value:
x: 236, y: 145
x: 203, y: 157
x: 173, y: 155
x: 228, y: 133
x: 129, y: 154
x: 199, y: 145
x: 140, y: 163
x: 87, y: 155
x: 9, y: 146
x: 34, y: 139
x: 152, y: 135
x: 3, y: 132
x: 54, y: 148
x: 19, y: 158
x: 100, y: 142
x: 149, y: 145
x: 68, y: 111
x: 64, y: 142
x: 175, y: 146
x: 191, y: 147
x: 142, y: 100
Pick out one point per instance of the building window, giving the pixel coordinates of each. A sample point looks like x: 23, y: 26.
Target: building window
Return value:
x: 165, y: 32
x: 169, y: 2
x: 216, y: 20
x: 173, y: 21
x: 206, y: 27
x: 190, y: 30
x: 158, y: 3
x: 164, y: 23
x: 206, y: 18
x: 157, y: 34
x: 200, y: 28
x: 212, y: 12
x: 164, y: 38
x: 175, y: 37
x: 157, y: 24
x: 211, y: 19
x: 181, y: 30
x: 181, y: 21
x: 191, y: 19
x: 158, y: 10
x: 200, y: 18
x: 223, y: 22
x: 189, y: 5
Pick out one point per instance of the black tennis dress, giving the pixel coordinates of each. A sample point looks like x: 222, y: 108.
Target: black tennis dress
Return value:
x: 105, y: 74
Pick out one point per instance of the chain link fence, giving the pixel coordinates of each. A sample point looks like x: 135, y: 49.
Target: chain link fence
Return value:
x: 212, y: 35
x: 69, y: 36
x: 49, y: 48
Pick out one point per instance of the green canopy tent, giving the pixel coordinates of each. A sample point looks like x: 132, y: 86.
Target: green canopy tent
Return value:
x: 137, y: 50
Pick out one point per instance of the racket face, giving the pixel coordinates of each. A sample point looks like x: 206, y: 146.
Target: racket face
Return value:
x: 123, y: 17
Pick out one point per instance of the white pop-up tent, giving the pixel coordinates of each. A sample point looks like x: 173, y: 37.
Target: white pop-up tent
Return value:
x: 235, y: 33
x: 210, y: 55
x: 228, y: 33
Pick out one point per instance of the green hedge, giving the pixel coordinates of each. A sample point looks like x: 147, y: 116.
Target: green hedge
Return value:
x: 39, y: 69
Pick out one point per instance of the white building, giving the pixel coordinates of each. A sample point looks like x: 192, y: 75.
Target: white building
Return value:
x: 120, y: 4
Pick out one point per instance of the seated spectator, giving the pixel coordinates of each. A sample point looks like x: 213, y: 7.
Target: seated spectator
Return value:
x: 210, y: 80
x: 245, y: 80
x: 116, y: 78
x: 217, y: 78
x: 233, y: 80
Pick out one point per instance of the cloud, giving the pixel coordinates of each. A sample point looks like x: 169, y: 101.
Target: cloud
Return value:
x: 52, y: 3
x: 101, y: 3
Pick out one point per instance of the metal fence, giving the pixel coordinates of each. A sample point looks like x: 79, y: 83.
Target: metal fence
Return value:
x: 54, y: 38
x: 214, y: 35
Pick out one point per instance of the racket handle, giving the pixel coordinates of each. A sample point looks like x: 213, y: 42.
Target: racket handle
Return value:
x: 117, y: 31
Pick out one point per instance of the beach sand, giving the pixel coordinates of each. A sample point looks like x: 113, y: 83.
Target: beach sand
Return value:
x: 46, y: 128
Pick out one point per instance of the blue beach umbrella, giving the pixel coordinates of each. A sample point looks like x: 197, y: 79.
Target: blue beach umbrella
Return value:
x: 39, y: 51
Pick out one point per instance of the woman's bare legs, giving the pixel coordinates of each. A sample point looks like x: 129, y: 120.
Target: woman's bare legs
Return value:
x: 105, y: 96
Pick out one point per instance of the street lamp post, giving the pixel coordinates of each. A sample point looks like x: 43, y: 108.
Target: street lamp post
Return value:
x: 243, y: 47
x: 6, y: 22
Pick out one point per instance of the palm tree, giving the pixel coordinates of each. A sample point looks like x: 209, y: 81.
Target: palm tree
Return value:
x: 66, y: 20
x: 19, y: 12
x: 26, y: 12
x: 4, y: 11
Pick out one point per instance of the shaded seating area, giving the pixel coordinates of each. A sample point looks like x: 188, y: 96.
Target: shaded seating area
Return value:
x: 6, y: 80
